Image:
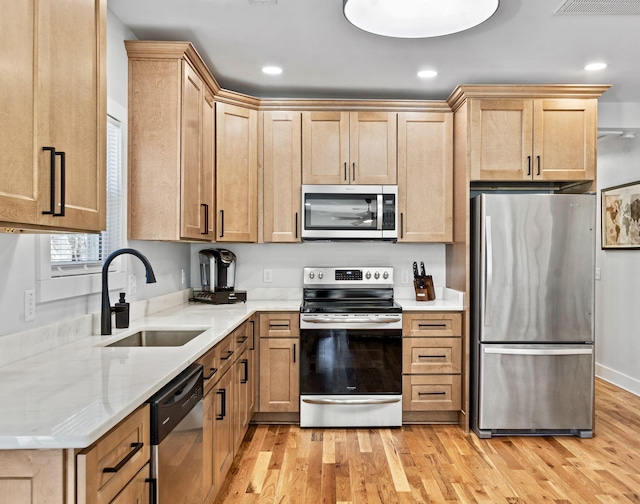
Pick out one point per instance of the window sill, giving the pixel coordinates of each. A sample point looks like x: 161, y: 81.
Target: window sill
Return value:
x: 65, y: 287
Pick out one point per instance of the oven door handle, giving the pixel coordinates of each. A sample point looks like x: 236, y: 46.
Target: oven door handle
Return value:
x: 350, y: 320
x: 351, y: 401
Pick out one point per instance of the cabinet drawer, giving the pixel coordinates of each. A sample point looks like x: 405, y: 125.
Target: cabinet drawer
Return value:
x: 432, y: 324
x: 431, y: 355
x: 279, y: 325
x: 431, y: 392
x: 225, y: 354
x: 137, y: 491
x: 210, y: 366
x: 106, y: 467
x: 241, y: 339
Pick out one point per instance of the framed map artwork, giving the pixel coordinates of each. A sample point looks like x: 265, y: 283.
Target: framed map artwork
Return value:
x: 621, y: 216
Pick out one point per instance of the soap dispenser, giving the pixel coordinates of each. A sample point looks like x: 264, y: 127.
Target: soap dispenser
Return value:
x: 122, y: 313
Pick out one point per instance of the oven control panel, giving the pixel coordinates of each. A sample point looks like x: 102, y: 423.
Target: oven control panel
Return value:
x: 354, y: 277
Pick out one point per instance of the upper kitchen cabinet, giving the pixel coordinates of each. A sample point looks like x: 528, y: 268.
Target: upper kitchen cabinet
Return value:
x: 281, y: 153
x: 348, y: 147
x: 425, y: 176
x: 532, y: 133
x: 171, y: 143
x: 236, y: 173
x: 53, y: 121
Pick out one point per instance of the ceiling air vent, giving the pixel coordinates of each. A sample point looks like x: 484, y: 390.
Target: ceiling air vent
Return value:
x: 614, y: 7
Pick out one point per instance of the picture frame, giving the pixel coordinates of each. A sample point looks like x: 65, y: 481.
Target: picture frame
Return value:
x: 620, y: 217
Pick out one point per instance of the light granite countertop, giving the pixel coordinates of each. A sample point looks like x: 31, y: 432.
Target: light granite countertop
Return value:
x: 72, y: 394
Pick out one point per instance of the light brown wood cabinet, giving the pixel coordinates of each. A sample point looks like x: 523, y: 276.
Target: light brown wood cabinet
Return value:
x: 236, y: 173
x: 127, y: 448
x: 171, y: 144
x: 348, y: 147
x: 432, y: 362
x: 279, y: 363
x: 425, y: 176
x: 33, y: 476
x: 281, y: 152
x: 533, y: 139
x: 53, y: 96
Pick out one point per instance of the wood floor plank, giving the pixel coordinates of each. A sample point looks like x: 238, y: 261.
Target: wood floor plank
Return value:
x: 441, y: 464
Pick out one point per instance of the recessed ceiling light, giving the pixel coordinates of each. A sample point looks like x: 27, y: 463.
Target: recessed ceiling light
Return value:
x: 427, y: 74
x: 272, y: 70
x: 592, y: 67
x: 418, y: 18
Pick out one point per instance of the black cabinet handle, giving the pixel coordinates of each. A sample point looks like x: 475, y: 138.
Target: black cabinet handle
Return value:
x: 253, y: 335
x: 136, y: 448
x: 432, y: 356
x: 431, y: 393
x: 52, y: 185
x: 538, y: 164
x: 245, y: 363
x: 63, y: 187
x: 294, y: 353
x: 242, y: 339
x: 296, y: 224
x: 213, y: 370
x: 401, y: 225
x: 353, y: 172
x: 206, y: 218
x: 221, y: 223
x: 229, y: 354
x: 528, y: 165
x: 345, y: 171
x: 223, y: 404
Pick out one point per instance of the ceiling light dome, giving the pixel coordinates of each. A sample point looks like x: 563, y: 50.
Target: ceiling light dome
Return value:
x: 418, y: 18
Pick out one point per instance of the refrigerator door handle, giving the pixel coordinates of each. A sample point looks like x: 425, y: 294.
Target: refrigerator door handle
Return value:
x: 539, y: 351
x: 489, y: 270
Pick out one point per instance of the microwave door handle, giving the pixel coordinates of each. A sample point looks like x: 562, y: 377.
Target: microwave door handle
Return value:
x: 379, y: 215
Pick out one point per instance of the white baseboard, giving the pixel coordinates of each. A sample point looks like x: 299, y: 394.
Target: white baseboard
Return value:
x: 618, y: 379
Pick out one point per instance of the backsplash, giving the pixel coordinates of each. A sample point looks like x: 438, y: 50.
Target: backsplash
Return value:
x: 286, y: 261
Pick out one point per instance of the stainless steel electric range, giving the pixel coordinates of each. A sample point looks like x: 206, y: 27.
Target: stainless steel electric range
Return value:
x: 350, y: 348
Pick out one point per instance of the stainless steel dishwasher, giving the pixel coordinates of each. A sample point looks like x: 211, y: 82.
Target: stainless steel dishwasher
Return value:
x: 176, y: 439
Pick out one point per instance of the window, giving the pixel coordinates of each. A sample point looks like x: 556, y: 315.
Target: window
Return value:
x: 77, y: 253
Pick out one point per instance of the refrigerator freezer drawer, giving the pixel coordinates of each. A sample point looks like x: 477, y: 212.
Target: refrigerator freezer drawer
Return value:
x: 531, y: 388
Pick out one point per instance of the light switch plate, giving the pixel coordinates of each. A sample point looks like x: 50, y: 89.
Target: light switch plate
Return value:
x: 29, y: 305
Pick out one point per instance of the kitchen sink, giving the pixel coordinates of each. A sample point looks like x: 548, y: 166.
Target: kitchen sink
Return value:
x: 157, y: 338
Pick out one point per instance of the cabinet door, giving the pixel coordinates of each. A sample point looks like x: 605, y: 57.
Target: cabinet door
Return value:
x: 282, y: 151
x: 236, y: 173
x: 33, y: 476
x: 425, y: 176
x: 501, y: 139
x: 192, y: 182
x: 209, y: 487
x: 18, y: 168
x: 72, y: 111
x: 325, y: 147
x: 136, y: 491
x: 372, y: 148
x: 222, y: 427
x: 54, y: 95
x: 279, y: 375
x: 564, y: 136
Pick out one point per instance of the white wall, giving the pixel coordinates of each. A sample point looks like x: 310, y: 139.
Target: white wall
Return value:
x: 19, y: 254
x: 618, y: 291
x: 287, y: 261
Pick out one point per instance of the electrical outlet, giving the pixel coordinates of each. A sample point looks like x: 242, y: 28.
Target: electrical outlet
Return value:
x: 404, y: 276
x: 133, y: 285
x: 183, y: 278
x: 268, y: 275
x: 29, y: 305
x: 597, y: 273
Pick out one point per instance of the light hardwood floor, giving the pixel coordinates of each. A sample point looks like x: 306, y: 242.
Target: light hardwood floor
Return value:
x: 287, y: 464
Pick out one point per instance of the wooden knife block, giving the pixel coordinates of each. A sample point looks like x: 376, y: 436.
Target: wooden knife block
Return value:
x: 427, y: 293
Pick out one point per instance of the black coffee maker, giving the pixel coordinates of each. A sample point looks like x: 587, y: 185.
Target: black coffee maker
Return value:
x: 218, y: 277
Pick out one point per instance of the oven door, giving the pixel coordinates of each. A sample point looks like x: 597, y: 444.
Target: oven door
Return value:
x: 350, y: 377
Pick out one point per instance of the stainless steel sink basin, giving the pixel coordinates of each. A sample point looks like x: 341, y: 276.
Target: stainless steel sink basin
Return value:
x: 157, y: 338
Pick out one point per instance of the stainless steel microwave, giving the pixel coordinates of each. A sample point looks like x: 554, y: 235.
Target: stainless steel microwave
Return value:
x: 352, y: 212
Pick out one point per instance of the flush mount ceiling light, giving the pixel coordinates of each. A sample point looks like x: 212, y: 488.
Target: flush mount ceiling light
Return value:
x: 418, y: 18
x: 594, y: 67
x: 272, y: 70
x: 427, y: 74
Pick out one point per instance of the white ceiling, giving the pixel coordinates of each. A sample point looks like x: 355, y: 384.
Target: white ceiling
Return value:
x: 324, y: 56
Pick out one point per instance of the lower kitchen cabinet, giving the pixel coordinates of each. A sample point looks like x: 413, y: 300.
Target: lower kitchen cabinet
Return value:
x: 279, y: 363
x: 431, y: 366
x: 222, y: 428
x: 108, y: 467
x: 33, y: 476
x: 137, y: 491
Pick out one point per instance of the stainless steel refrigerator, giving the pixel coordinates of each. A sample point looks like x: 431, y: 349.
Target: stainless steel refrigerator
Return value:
x: 533, y: 314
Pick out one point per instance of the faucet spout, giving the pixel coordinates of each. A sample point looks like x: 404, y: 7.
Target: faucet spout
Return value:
x: 105, y: 312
